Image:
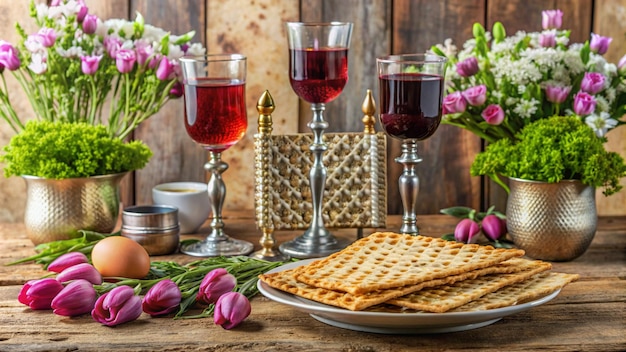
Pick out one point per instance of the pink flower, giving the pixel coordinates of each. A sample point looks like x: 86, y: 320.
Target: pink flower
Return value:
x: 112, y: 45
x: 82, y: 11
x: 8, y: 56
x: 216, y: 283
x: 90, y: 64
x: 476, y: 96
x: 47, y: 37
x: 231, y: 309
x: 120, y: 305
x: 592, y: 83
x: 557, y: 94
x: 162, y: 298
x: 165, y: 70
x: 66, y: 260
x: 90, y: 24
x: 83, y: 271
x: 144, y: 51
x: 38, y: 294
x: 467, y: 67
x: 125, y: 60
x: 466, y: 231
x: 454, y: 103
x: 584, y: 104
x: 177, y: 90
x: 599, y: 44
x: 77, y: 298
x: 493, y: 114
x: 552, y: 19
x: 622, y: 62
x: 493, y: 227
x: 547, y: 39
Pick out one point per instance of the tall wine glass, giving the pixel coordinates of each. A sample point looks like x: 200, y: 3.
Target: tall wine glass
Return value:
x: 411, y: 94
x: 318, y: 72
x: 215, y: 118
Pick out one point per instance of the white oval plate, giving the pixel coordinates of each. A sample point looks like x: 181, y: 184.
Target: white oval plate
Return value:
x: 393, y: 323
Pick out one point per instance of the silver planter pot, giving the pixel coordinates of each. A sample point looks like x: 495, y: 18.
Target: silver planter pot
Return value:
x: 551, y: 221
x: 57, y: 209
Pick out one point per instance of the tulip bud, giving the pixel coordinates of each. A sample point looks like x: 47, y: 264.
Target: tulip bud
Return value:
x: 83, y: 271
x: 38, y: 294
x: 547, y: 39
x: 552, y: 19
x: 454, y: 103
x: 231, y: 309
x: 599, y: 44
x: 557, y: 94
x: 165, y: 70
x: 476, y: 96
x: 177, y: 90
x: 89, y: 64
x: 216, y: 283
x: 76, y: 298
x: 90, y: 24
x: 466, y: 231
x: 493, y: 227
x: 584, y: 104
x: 120, y: 305
x: 592, y: 83
x: 8, y: 56
x: 493, y: 114
x: 162, y: 298
x: 125, y: 60
x: 67, y: 260
x: 467, y: 67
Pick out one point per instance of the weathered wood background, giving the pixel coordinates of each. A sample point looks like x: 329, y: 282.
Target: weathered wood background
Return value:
x: 255, y: 29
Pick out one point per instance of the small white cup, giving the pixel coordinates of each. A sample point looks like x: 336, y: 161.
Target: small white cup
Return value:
x: 190, y: 198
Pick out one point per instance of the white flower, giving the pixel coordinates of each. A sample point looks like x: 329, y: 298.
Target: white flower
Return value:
x: 601, y: 123
x: 197, y: 49
x: 526, y: 108
x: 38, y: 63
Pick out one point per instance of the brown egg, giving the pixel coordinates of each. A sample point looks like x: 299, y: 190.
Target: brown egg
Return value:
x: 120, y: 257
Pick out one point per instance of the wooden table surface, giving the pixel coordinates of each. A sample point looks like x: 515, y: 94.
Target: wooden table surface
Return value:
x: 588, y: 315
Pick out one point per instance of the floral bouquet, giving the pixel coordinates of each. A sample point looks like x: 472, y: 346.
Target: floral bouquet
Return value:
x: 499, y: 84
x: 78, y: 68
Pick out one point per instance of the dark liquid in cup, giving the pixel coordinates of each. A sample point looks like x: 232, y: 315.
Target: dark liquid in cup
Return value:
x: 318, y: 75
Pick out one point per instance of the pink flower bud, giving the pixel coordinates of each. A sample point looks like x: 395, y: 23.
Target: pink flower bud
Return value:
x: 82, y: 11
x: 216, y: 283
x: 177, y: 90
x: 592, y: 83
x: 38, y: 294
x: 476, y: 96
x: 76, y: 298
x: 493, y: 114
x: 231, y: 309
x: 552, y: 19
x: 112, y: 45
x: 162, y: 298
x: 622, y: 63
x: 66, y: 260
x: 144, y: 51
x: 557, y: 94
x: 125, y: 60
x: 584, y: 104
x: 547, y: 39
x: 599, y: 44
x: 120, y: 305
x: 83, y: 271
x: 90, y: 24
x: 47, y: 37
x: 89, y: 64
x: 8, y: 56
x: 454, y: 103
x: 466, y: 231
x: 165, y: 70
x: 493, y: 227
x: 467, y: 67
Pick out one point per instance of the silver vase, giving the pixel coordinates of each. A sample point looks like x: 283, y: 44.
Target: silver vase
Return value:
x: 57, y: 209
x: 551, y: 221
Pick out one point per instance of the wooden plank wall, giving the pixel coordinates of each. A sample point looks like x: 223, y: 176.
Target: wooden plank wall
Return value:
x: 255, y: 28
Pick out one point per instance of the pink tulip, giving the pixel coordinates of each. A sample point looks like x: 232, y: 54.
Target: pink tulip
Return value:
x: 493, y: 227
x: 177, y: 90
x: 454, y: 103
x: 144, y: 51
x: 8, y: 56
x: 493, y: 114
x: 592, y: 83
x: 38, y: 294
x: 82, y: 11
x: 125, y: 60
x: 557, y: 94
x: 67, y: 260
x: 90, y: 24
x: 599, y: 44
x: 77, y: 298
x: 47, y: 37
x: 112, y: 45
x: 476, y: 96
x: 216, y: 283
x: 467, y: 67
x: 622, y: 62
x: 162, y: 298
x: 165, y: 70
x: 83, y: 271
x: 466, y: 231
x: 120, y: 305
x: 547, y: 39
x: 231, y: 309
x: 89, y: 64
x: 584, y: 104
x: 552, y: 19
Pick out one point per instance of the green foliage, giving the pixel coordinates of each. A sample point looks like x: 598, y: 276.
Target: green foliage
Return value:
x: 551, y: 150
x: 60, y: 150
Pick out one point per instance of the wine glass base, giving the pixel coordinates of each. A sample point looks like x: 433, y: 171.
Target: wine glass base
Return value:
x: 222, y: 247
x: 270, y: 256
x: 304, y: 246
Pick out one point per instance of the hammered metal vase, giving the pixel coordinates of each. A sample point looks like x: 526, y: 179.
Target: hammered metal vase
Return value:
x: 551, y: 221
x: 57, y: 209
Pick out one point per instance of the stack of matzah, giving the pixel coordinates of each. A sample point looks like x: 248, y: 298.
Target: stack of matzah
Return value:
x: 421, y: 273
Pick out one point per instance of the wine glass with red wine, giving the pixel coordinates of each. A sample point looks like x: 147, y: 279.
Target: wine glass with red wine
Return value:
x: 411, y: 94
x: 318, y: 72
x: 216, y: 119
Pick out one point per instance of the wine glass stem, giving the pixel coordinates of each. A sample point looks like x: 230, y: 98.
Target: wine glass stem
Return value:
x: 317, y: 174
x: 217, y: 193
x: 409, y: 186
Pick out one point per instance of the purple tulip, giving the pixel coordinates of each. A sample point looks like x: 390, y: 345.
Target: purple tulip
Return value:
x: 125, y: 60
x: 599, y: 44
x: 557, y: 94
x: 162, y: 298
x: 216, y: 283
x: 454, y: 103
x: 165, y: 70
x: 592, y: 83
x: 467, y: 67
x: 38, y: 294
x: 547, y: 39
x: 493, y: 114
x: 83, y: 271
x: 476, y: 96
x: 77, y: 298
x: 90, y: 24
x: 90, y: 64
x: 8, y: 56
x: 466, y: 231
x: 493, y: 227
x: 82, y: 11
x: 120, y: 305
x: 231, y: 309
x: 552, y: 19
x: 47, y: 37
x: 112, y: 45
x: 67, y: 260
x: 584, y: 104
x: 177, y: 90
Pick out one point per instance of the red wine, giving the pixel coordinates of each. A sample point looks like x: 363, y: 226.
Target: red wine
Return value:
x: 215, y: 112
x: 410, y: 104
x: 318, y: 75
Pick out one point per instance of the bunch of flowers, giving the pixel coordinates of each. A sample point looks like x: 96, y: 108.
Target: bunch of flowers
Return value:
x: 76, y: 66
x: 499, y: 84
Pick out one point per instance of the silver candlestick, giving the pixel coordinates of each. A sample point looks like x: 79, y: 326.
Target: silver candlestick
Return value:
x: 409, y: 186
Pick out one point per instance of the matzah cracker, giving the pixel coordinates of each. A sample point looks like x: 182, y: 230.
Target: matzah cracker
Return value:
x: 285, y: 281
x: 440, y: 299
x: 384, y: 260
x: 537, y: 286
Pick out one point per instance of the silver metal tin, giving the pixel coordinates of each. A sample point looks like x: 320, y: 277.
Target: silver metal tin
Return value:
x: 155, y: 227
